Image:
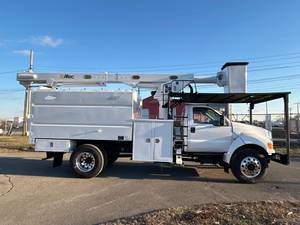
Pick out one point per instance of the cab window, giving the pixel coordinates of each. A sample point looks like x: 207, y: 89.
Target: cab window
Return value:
x: 206, y: 116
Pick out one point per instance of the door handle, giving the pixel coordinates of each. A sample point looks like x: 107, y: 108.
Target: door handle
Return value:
x: 157, y: 140
x: 148, y: 140
x: 193, y: 129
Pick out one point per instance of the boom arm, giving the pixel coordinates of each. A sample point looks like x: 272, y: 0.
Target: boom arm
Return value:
x: 96, y: 79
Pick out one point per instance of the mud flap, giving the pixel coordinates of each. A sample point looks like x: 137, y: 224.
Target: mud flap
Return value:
x: 57, y: 158
x: 281, y: 158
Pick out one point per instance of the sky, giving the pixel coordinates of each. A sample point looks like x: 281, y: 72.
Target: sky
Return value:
x: 151, y: 36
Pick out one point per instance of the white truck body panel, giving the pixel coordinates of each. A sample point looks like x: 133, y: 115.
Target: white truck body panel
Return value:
x: 48, y: 145
x: 153, y: 140
x: 88, y: 115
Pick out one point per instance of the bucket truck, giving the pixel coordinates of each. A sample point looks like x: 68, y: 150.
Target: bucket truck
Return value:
x: 95, y: 126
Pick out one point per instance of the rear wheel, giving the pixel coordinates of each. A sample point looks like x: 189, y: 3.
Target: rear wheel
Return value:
x: 248, y: 165
x: 88, y: 160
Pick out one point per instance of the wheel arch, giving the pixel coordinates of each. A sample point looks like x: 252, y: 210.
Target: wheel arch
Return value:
x: 259, y: 148
x: 239, y: 145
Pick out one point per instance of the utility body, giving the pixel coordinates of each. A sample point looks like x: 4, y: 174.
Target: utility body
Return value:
x: 96, y: 127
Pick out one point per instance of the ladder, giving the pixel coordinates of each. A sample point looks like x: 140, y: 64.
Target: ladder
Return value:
x: 180, y: 134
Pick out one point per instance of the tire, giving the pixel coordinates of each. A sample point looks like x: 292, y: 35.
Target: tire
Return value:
x: 88, y: 161
x: 248, y: 165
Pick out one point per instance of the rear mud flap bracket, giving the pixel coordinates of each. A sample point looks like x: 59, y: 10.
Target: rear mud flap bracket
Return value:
x: 281, y: 158
x: 57, y: 158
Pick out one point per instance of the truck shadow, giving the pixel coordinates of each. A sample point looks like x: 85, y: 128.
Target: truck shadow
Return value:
x: 138, y: 171
x: 120, y: 169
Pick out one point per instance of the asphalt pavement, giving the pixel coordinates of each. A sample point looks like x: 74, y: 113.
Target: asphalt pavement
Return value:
x: 32, y: 192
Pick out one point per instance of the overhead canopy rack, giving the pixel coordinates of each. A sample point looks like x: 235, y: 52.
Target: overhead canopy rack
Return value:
x: 251, y: 98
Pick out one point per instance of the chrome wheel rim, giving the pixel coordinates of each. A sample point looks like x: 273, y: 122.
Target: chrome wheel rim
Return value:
x: 250, y: 167
x: 85, y: 161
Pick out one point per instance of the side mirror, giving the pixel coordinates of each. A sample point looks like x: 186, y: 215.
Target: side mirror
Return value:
x: 222, y: 120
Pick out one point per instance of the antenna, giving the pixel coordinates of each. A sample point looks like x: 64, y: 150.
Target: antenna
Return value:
x: 30, y: 69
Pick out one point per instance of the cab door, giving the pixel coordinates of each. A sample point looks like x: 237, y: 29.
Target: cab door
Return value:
x: 206, y: 132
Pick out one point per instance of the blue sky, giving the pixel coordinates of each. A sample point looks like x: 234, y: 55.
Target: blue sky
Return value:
x: 151, y: 36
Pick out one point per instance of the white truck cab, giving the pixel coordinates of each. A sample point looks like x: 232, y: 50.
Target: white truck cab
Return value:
x: 211, y: 133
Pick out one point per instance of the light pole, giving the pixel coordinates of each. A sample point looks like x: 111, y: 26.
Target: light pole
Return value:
x: 27, y: 97
x: 298, y: 117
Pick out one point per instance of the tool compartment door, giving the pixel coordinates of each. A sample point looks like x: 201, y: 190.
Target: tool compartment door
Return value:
x: 163, y: 141
x: 143, y: 146
x: 153, y: 140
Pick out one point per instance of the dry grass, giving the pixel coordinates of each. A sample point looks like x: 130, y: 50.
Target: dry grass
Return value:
x: 293, y: 151
x: 14, y: 143
x: 14, y: 139
x: 242, y: 213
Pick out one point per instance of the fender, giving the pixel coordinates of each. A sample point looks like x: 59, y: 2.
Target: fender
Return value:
x: 241, y: 140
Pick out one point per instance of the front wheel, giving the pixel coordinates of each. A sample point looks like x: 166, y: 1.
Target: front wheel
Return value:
x: 88, y: 161
x: 248, y: 166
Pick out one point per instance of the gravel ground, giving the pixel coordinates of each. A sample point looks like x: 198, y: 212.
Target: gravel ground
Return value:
x: 242, y: 213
